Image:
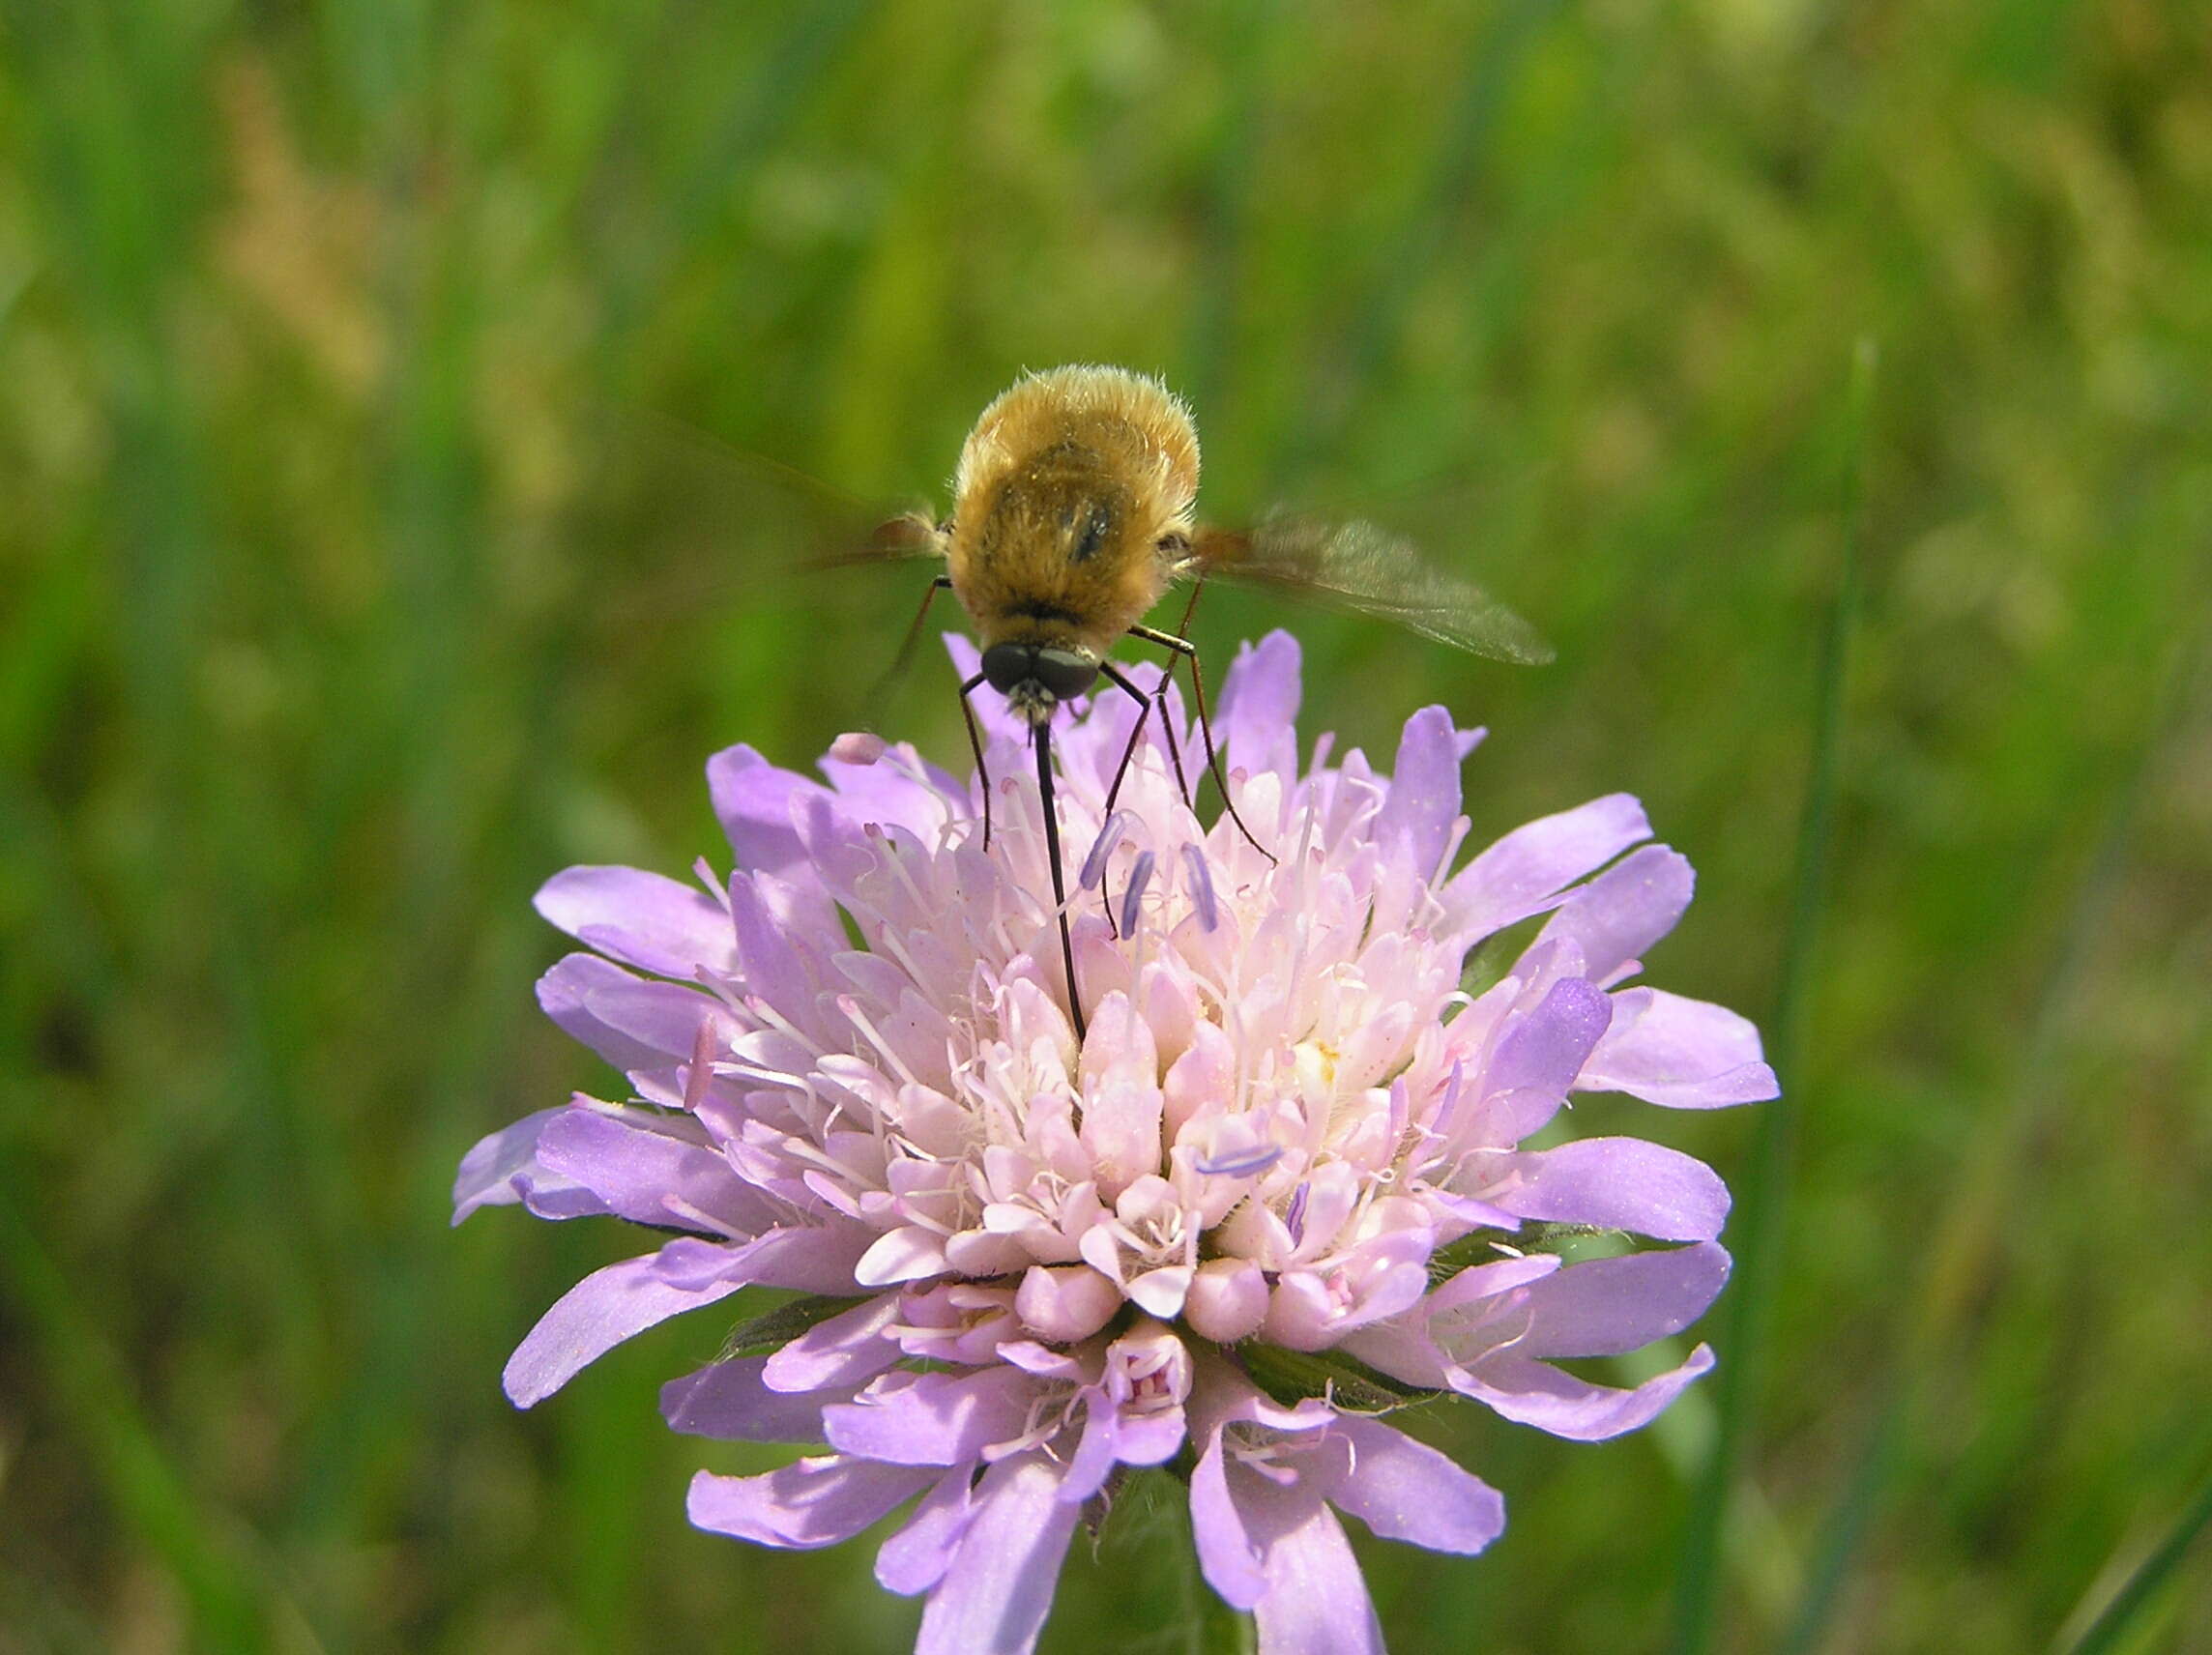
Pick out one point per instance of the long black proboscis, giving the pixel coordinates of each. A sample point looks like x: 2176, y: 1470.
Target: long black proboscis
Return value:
x: 1043, y: 744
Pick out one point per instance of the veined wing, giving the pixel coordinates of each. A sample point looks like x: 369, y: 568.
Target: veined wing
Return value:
x: 1367, y: 568
x: 676, y: 516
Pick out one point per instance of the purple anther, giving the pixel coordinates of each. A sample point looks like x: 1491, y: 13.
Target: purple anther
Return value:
x: 1140, y: 876
x: 1109, y: 835
x: 1243, y: 1164
x: 701, y: 1074
x: 1201, y: 885
x: 1442, y: 1123
x: 1294, y: 1220
x: 1394, y: 1123
x: 858, y: 747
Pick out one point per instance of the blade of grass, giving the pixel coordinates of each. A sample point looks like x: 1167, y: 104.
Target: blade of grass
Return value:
x: 791, y: 68
x: 1224, y: 227
x: 88, y: 1387
x: 1762, y: 1196
x: 2120, y: 1616
x: 1348, y: 370
x: 1972, y: 1221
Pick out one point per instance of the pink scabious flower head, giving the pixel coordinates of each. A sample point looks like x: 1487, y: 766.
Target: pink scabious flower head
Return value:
x: 1280, y: 1188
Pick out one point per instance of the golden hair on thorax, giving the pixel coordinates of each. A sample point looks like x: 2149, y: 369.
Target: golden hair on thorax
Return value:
x: 1073, y: 508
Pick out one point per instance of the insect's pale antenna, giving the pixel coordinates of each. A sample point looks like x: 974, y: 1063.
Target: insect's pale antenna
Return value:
x: 975, y: 746
x: 1042, y: 741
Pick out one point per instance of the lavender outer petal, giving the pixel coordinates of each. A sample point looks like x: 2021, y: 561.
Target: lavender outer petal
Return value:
x: 1000, y: 1585
x: 1549, y: 1399
x: 1424, y: 801
x: 1524, y: 872
x: 1609, y: 1307
x: 1617, y: 1183
x: 1626, y: 908
x: 643, y: 919
x: 812, y: 1503
x: 502, y: 1169
x: 1316, y: 1600
x: 728, y: 1401
x: 631, y: 1022
x: 1404, y: 1490
x: 593, y: 1317
x: 1682, y: 1053
x: 637, y: 1172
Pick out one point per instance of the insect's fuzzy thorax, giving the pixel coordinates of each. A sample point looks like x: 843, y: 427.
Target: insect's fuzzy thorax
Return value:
x: 1066, y: 489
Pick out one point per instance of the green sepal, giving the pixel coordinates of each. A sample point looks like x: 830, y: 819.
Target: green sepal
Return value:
x: 773, y: 1330
x: 1290, y: 1376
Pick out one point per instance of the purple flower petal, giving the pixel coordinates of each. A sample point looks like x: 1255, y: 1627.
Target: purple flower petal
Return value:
x: 813, y: 1504
x: 1549, y: 1399
x: 630, y: 1022
x: 995, y: 1594
x: 1424, y: 801
x: 1685, y: 1054
x: 593, y: 1317
x: 915, y: 1559
x: 1315, y: 1601
x: 890, y: 795
x: 1608, y: 1307
x: 502, y: 1169
x: 773, y: 968
x: 1625, y: 910
x: 1524, y: 872
x: 1545, y: 1050
x: 729, y: 1402
x: 1617, y: 1183
x: 753, y: 801
x: 849, y: 1348
x: 805, y: 1258
x: 643, y: 919
x: 637, y: 1173
x: 931, y: 1419
x: 1227, y: 1554
x: 1256, y: 713
x: 1404, y: 1490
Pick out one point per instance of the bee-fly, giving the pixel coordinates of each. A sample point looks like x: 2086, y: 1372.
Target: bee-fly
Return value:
x: 1073, y: 515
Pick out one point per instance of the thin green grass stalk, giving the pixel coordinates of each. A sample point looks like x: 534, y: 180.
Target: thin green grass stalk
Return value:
x: 1347, y: 373
x: 88, y: 1387
x: 1971, y: 1222
x: 2122, y: 1614
x: 1847, y: 1526
x: 1762, y: 1196
x: 1224, y: 227
x: 759, y: 115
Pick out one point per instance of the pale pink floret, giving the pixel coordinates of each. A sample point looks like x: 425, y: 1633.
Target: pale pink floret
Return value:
x: 1286, y: 1106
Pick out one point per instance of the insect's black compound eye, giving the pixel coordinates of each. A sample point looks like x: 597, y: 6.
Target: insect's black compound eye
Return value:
x: 1005, y: 665
x: 1064, y: 672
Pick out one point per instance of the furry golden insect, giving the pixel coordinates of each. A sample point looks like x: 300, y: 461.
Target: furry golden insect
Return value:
x: 1072, y: 516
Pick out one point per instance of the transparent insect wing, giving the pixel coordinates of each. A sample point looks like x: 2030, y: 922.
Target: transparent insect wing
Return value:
x: 1361, y: 566
x: 689, y: 518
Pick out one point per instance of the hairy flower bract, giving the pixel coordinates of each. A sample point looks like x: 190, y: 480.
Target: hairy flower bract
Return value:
x: 1282, y: 1185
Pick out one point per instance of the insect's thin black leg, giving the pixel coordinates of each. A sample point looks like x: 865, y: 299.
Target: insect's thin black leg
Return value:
x: 976, y: 746
x: 1042, y: 741
x: 1144, y: 707
x: 1188, y: 650
x: 1160, y: 694
x: 880, y: 692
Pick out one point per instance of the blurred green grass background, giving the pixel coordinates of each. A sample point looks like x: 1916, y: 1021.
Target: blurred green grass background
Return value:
x: 333, y: 621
